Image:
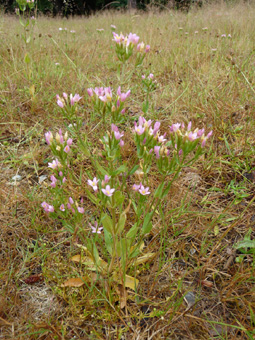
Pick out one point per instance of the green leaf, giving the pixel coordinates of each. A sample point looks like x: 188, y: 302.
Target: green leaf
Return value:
x: 92, y: 197
x: 131, y: 234
x: 108, y: 241
x: 120, y: 169
x: 27, y: 59
x: 245, y: 244
x: 147, y: 228
x: 118, y: 198
x: 132, y: 171
x: 107, y: 223
x: 159, y: 189
x: 121, y: 222
x: 147, y: 225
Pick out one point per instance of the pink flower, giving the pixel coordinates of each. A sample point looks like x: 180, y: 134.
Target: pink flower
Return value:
x: 69, y: 141
x: 60, y: 103
x: 64, y: 180
x: 143, y: 76
x: 192, y: 136
x: 136, y: 187
x: 114, y: 128
x: 139, y: 129
x: 67, y: 149
x: 151, y: 76
x: 133, y: 38
x: 60, y: 173
x: 93, y: 183
x: 62, y: 207
x: 118, y: 135
x: 90, y: 92
x: 80, y: 210
x: 95, y: 229
x: 108, y: 191
x: 121, y: 143
x: 47, y: 208
x: 74, y: 99
x: 189, y: 126
x: 156, y: 128
x: 147, y: 48
x: 53, y: 181
x: 123, y: 96
x: 55, y: 164
x: 144, y: 191
x: 113, y: 26
x: 70, y: 200
x: 107, y: 178
x: 162, y: 139
x: 65, y: 95
x: 48, y: 137
x: 156, y: 150
x: 175, y: 127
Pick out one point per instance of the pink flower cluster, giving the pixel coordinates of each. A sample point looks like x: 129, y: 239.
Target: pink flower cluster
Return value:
x: 47, y: 208
x: 59, y: 139
x: 108, y: 191
x: 144, y: 125
x: 179, y: 129
x: 132, y: 38
x: 54, y: 179
x: 105, y: 94
x: 118, y: 135
x: 65, y: 101
x: 95, y: 229
x: 142, y: 190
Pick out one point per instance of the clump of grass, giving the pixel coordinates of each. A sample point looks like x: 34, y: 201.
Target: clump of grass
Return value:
x: 204, y: 77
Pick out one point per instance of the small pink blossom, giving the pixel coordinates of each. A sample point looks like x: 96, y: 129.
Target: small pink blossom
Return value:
x: 48, y: 137
x: 136, y: 187
x: 156, y: 150
x: 62, y: 207
x: 90, y: 92
x: 71, y: 201
x: 55, y: 164
x: 162, y: 138
x: 175, y: 127
x: 95, y: 229
x: 69, y: 141
x: 144, y: 191
x: 67, y: 149
x: 53, y: 181
x: 108, y: 191
x: 121, y: 143
x: 80, y: 210
x: 147, y: 48
x: 60, y: 103
x: 93, y: 183
x: 139, y: 129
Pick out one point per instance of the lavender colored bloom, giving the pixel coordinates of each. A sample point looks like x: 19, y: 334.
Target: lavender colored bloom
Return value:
x: 55, y: 164
x: 93, y: 183
x: 189, y: 126
x: 62, y: 207
x: 136, y: 187
x: 80, y: 210
x: 67, y: 149
x: 69, y: 141
x: 114, y: 128
x: 108, y: 191
x: 192, y: 136
x: 144, y: 191
x: 175, y: 127
x: 147, y: 48
x: 156, y: 128
x: 156, y: 150
x: 48, y: 137
x: 121, y: 143
x: 139, y: 129
x: 90, y: 92
x: 118, y: 135
x: 60, y: 103
x: 95, y: 229
x: 71, y: 201
x: 162, y: 138
x: 53, y: 181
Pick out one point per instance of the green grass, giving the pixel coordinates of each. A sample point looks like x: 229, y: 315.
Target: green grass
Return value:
x: 201, y: 77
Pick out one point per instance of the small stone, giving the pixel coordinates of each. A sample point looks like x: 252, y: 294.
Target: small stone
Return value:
x: 190, y: 299
x: 16, y: 178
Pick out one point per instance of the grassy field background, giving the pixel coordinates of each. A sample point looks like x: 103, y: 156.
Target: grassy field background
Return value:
x: 204, y: 65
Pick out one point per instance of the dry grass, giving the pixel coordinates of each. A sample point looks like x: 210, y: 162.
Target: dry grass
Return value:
x: 201, y: 77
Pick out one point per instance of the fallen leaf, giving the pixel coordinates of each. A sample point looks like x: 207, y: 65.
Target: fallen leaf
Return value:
x: 75, y: 282
x: 130, y: 281
x: 144, y: 258
x: 122, y: 296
